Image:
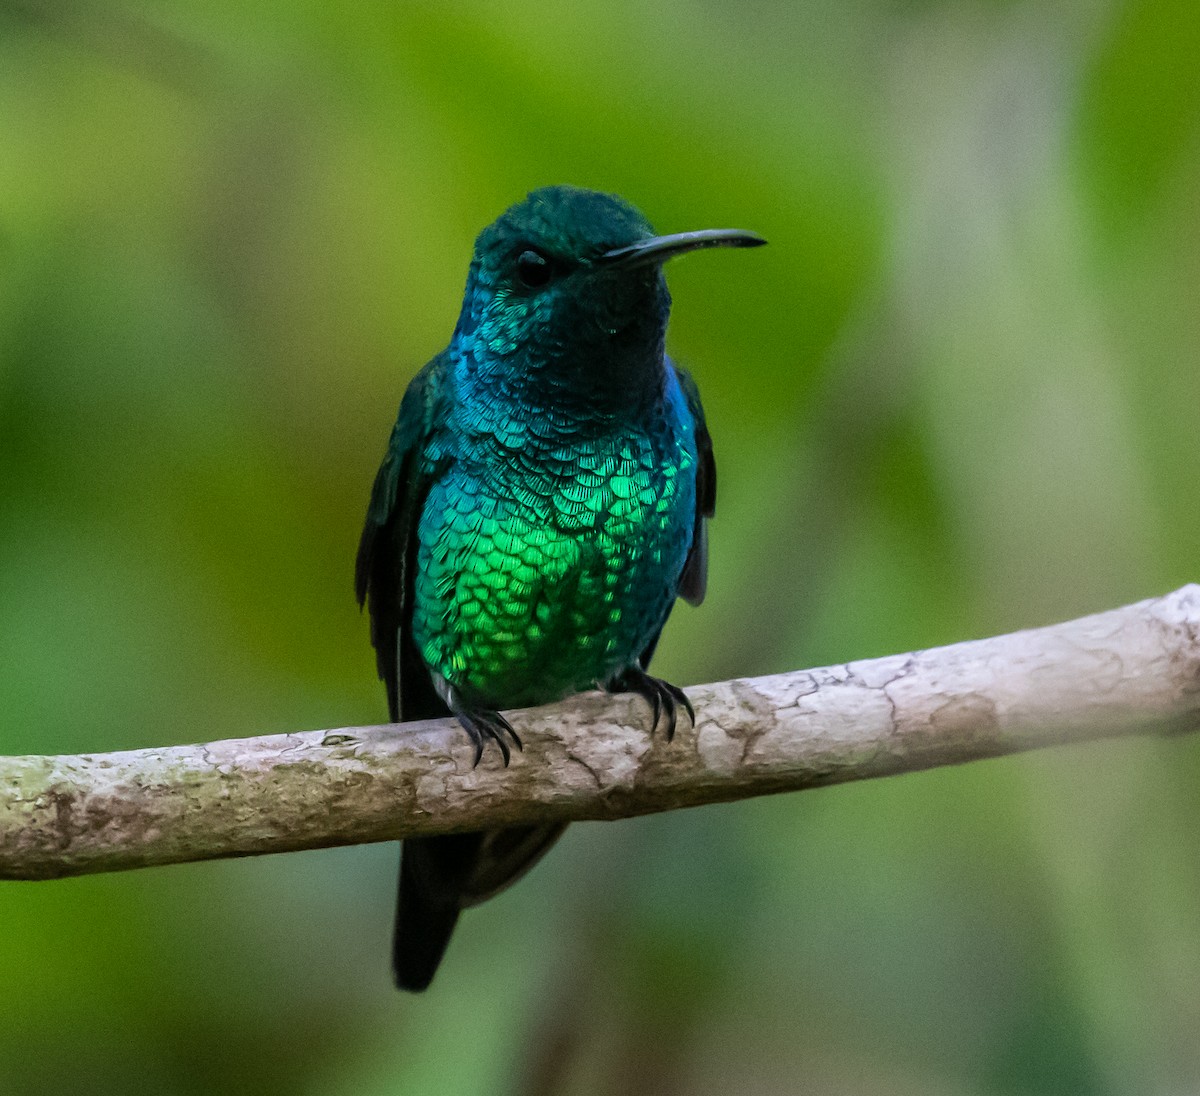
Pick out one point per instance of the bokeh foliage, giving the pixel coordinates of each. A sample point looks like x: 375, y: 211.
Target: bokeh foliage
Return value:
x: 957, y: 395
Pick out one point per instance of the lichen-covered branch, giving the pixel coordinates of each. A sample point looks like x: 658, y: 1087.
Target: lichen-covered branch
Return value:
x: 1126, y: 672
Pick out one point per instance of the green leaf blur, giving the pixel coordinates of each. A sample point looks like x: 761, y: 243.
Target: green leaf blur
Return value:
x: 956, y: 395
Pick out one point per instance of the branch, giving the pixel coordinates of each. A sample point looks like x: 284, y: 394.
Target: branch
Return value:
x: 1131, y: 671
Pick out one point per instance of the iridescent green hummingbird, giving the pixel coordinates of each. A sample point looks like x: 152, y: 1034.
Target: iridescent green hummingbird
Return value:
x: 541, y: 506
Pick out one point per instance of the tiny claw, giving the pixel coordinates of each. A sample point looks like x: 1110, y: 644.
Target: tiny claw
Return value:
x: 481, y: 724
x: 682, y: 699
x: 512, y: 734
x: 664, y: 697
x: 671, y: 719
x: 468, y: 724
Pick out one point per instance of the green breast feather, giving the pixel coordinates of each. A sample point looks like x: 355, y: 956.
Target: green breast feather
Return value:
x: 531, y: 587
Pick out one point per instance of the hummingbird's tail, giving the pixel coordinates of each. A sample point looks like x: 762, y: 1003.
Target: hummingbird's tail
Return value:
x: 423, y: 924
x: 441, y: 876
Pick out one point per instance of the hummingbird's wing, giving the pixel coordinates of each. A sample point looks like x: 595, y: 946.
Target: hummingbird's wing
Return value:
x: 694, y: 580
x: 387, y: 551
x: 439, y: 876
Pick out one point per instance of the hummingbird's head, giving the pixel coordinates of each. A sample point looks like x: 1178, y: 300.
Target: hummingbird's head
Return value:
x: 570, y: 281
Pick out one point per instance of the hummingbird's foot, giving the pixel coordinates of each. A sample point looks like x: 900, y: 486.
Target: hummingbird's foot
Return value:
x: 482, y: 724
x: 665, y: 698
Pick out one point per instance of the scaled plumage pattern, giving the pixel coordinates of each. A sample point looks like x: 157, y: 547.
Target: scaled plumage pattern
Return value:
x: 541, y: 505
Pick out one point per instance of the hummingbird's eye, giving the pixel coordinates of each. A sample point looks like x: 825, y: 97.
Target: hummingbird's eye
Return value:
x: 533, y: 269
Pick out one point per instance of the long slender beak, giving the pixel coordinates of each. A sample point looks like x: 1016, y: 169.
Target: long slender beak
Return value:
x: 658, y: 249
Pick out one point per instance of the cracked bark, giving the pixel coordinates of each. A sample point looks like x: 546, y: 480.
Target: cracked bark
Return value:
x: 1130, y: 671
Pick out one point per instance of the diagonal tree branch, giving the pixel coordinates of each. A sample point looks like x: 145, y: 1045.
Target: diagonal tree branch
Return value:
x: 1131, y: 671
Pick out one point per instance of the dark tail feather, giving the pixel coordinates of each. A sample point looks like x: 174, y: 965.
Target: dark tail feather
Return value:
x: 440, y: 876
x: 422, y: 933
x: 423, y: 923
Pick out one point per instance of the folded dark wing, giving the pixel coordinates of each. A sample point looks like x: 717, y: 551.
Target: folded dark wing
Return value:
x: 387, y: 551
x: 694, y: 580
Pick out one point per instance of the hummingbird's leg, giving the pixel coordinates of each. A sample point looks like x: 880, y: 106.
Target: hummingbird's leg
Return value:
x: 665, y: 698
x: 482, y: 724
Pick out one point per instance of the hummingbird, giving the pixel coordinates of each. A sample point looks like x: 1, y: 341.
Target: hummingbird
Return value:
x: 542, y: 503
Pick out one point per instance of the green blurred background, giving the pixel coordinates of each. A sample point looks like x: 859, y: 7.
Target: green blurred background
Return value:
x: 957, y: 395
